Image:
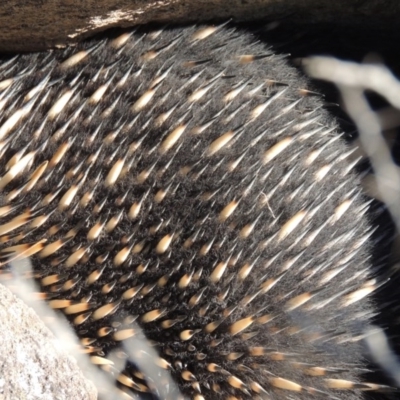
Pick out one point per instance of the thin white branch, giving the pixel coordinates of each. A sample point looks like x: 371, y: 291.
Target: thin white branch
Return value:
x: 352, y: 80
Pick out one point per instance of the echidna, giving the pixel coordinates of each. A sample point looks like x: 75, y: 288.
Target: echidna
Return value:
x: 186, y: 179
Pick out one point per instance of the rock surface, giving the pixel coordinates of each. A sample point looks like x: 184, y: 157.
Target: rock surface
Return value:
x: 33, y: 25
x: 32, y: 364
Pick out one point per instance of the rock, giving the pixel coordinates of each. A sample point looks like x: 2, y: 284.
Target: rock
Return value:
x: 34, y: 25
x: 33, y: 366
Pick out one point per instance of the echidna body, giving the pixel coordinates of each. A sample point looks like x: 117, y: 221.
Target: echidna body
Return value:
x: 186, y: 180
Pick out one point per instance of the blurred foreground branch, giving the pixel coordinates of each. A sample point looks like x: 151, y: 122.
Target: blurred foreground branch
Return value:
x: 353, y: 80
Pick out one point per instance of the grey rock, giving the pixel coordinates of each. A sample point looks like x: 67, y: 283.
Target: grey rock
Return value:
x: 33, y: 366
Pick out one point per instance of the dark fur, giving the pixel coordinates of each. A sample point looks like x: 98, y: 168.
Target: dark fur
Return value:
x: 185, y: 211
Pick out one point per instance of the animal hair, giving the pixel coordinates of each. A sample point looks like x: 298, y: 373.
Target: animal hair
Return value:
x: 188, y: 180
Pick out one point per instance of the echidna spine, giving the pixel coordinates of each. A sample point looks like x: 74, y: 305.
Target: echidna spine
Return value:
x: 184, y: 179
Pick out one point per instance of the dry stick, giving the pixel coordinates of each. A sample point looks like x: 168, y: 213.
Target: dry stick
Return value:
x: 367, y: 122
x: 383, y: 355
x: 352, y: 80
x: 144, y: 356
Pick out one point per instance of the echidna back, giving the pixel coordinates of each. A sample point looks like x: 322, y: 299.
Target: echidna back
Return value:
x: 186, y: 180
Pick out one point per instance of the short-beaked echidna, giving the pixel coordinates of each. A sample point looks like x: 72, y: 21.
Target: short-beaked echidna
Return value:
x: 186, y: 179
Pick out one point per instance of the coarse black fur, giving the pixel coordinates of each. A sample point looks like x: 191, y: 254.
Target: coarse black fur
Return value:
x: 280, y: 169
